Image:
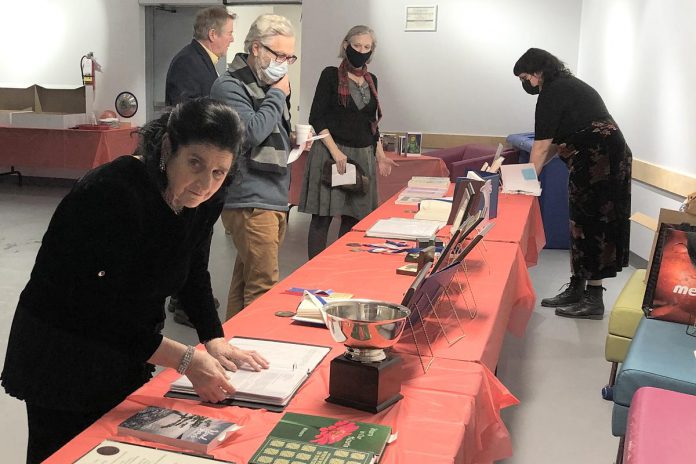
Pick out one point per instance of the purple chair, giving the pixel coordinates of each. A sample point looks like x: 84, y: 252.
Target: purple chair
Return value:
x: 471, y: 156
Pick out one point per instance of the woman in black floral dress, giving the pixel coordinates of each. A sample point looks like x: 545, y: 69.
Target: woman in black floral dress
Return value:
x: 572, y: 121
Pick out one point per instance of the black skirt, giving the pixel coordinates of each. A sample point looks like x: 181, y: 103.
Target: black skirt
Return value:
x: 599, y: 195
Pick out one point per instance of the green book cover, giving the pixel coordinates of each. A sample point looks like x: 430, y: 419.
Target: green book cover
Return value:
x: 303, y: 438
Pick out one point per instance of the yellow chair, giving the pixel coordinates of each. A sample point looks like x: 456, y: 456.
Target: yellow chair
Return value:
x: 623, y: 322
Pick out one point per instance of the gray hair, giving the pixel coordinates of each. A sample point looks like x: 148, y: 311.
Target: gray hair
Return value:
x: 267, y: 26
x: 357, y: 30
x: 214, y: 17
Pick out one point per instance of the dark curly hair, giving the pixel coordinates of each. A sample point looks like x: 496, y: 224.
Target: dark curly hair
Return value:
x: 537, y: 60
x: 202, y: 120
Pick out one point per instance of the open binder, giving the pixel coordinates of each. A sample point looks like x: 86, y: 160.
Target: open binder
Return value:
x: 291, y: 364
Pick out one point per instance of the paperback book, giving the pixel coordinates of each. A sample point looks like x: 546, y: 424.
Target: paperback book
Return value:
x: 322, y: 440
x: 177, y: 428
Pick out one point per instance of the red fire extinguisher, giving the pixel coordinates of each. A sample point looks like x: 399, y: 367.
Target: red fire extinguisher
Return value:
x: 88, y: 67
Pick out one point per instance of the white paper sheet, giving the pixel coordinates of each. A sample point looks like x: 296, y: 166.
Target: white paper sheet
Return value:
x: 348, y: 178
x: 520, y: 178
x: 296, y: 152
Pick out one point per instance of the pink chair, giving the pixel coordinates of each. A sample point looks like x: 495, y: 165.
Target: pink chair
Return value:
x: 661, y: 428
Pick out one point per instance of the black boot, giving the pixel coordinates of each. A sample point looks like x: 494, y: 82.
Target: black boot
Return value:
x: 572, y: 294
x: 590, y: 307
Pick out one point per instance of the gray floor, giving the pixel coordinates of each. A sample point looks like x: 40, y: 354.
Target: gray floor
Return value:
x: 556, y: 370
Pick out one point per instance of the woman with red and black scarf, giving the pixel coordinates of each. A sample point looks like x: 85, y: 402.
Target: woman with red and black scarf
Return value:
x: 346, y: 108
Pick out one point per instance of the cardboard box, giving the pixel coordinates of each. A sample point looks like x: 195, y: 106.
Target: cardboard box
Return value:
x: 6, y: 116
x: 54, y: 107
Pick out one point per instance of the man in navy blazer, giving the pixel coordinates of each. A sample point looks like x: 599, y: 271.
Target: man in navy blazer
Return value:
x: 191, y: 75
x: 192, y: 71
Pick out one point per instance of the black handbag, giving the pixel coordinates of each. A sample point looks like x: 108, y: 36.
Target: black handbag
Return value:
x: 360, y: 186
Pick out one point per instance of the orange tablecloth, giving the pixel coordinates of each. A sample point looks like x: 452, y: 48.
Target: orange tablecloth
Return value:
x: 451, y: 414
x: 501, y: 285
x: 388, y: 186
x: 518, y: 221
x: 63, y: 148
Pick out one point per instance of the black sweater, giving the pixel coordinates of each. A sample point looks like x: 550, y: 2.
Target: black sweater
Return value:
x: 348, y: 125
x: 565, y: 106
x: 113, y: 252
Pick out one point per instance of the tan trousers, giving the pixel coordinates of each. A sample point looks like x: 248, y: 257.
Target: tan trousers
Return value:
x: 257, y: 234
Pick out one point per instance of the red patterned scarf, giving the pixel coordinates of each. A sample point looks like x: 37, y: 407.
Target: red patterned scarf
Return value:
x: 344, y: 90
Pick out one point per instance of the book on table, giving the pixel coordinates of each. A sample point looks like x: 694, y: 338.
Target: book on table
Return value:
x: 403, y: 228
x: 310, y: 308
x: 117, y: 452
x: 177, y: 428
x: 434, y: 209
x: 414, y: 195
x: 429, y: 182
x: 322, y: 440
x: 290, y: 364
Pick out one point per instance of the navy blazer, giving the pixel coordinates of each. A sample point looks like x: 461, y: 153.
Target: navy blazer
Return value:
x: 191, y: 74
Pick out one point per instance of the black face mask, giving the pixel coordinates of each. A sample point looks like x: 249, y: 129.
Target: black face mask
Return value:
x: 529, y: 88
x: 356, y: 58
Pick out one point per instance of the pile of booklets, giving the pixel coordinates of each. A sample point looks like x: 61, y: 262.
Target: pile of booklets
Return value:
x: 404, y: 229
x: 420, y: 188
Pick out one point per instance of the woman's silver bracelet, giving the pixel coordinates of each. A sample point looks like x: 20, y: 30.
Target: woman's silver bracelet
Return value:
x: 186, y: 360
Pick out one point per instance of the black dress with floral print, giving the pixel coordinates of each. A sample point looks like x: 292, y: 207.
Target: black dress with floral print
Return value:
x: 599, y: 184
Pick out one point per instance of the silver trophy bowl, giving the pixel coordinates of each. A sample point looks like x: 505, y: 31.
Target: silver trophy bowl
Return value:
x: 365, y: 327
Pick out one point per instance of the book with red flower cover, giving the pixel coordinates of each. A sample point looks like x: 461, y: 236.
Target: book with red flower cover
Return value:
x: 322, y: 440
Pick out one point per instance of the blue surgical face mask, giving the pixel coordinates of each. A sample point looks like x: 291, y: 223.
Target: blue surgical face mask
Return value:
x: 275, y: 71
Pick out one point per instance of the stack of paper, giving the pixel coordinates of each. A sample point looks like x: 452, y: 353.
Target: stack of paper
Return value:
x: 404, y: 229
x: 520, y: 178
x: 414, y: 195
x: 429, y: 182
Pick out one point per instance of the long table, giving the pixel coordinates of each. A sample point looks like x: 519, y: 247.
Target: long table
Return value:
x: 518, y: 221
x: 72, y: 149
x: 451, y: 414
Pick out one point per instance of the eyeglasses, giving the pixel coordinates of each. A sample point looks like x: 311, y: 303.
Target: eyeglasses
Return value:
x: 280, y: 57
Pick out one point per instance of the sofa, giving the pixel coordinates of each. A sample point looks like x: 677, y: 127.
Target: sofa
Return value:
x: 463, y: 158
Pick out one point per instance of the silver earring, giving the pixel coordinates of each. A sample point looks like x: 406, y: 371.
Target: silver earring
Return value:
x: 162, y: 165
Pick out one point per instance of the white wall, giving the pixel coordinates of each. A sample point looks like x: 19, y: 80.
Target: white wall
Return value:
x: 46, y: 48
x: 639, y: 55
x: 455, y: 80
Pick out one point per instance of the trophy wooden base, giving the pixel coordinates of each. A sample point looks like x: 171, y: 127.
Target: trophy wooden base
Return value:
x: 370, y: 387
